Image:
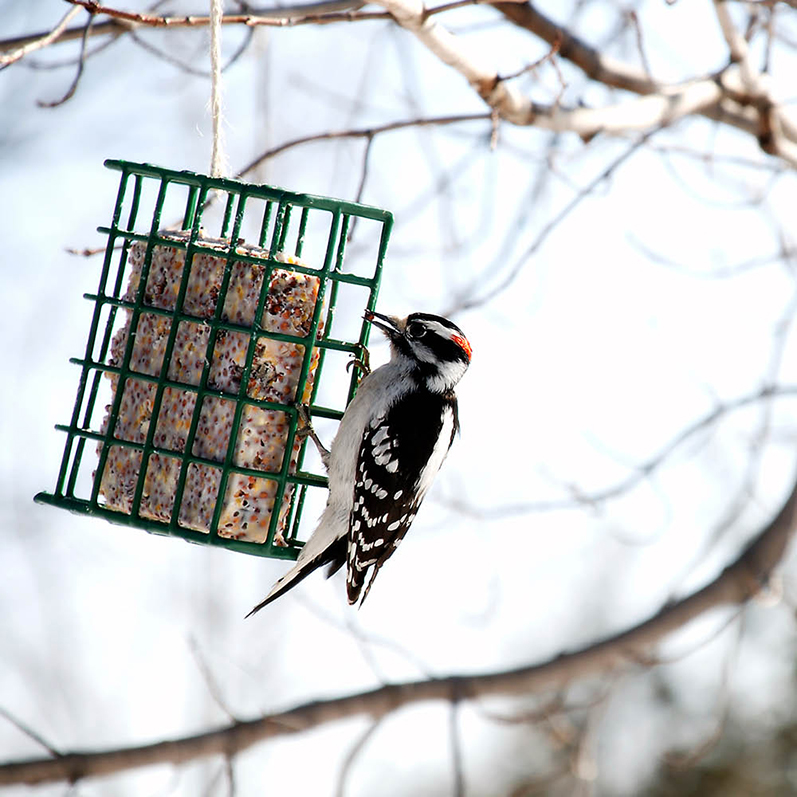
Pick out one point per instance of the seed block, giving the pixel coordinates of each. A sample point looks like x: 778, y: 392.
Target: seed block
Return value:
x: 260, y: 437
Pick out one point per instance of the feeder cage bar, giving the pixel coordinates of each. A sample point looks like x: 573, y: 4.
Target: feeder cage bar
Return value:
x: 199, y: 349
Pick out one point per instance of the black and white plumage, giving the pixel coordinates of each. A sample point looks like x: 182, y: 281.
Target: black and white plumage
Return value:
x: 390, y: 444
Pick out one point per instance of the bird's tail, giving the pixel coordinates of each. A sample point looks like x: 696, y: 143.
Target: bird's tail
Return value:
x: 334, y: 555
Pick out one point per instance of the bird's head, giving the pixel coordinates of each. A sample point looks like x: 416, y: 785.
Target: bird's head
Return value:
x: 431, y: 346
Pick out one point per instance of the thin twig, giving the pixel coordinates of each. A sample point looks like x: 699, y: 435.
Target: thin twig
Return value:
x: 40, y: 41
x: 80, y: 65
x: 549, y: 56
x: 367, y: 132
x: 721, y: 273
x: 164, y: 55
x: 684, y: 761
x: 354, y: 752
x: 29, y: 732
x: 209, y: 679
x: 282, y: 19
x: 640, y: 44
x: 457, y: 766
x: 361, y: 187
x: 287, y: 15
x: 727, y: 108
x: 480, y: 300
x: 641, y: 471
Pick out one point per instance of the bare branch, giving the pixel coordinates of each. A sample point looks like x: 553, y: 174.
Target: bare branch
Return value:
x: 207, y: 676
x: 120, y: 21
x: 352, y: 755
x: 457, y: 767
x: 732, y: 107
x: 737, y: 583
x: 724, y: 97
x: 633, y: 18
x: 689, y: 760
x: 312, y: 13
x: 80, y: 64
x: 644, y: 470
x: 664, y: 105
x: 164, y: 55
x: 462, y: 304
x: 108, y: 27
x: 40, y: 41
x: 720, y: 273
x: 532, y: 67
x: 369, y: 140
x: 367, y: 132
x: 28, y: 731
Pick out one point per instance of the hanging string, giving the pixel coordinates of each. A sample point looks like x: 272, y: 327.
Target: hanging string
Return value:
x: 218, y: 158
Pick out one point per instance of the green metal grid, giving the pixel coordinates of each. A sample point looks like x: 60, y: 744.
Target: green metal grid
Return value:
x: 270, y: 215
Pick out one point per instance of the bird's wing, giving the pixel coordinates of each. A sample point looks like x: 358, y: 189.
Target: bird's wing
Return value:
x: 400, y: 455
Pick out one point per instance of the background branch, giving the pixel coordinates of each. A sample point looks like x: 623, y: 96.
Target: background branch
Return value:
x: 741, y: 580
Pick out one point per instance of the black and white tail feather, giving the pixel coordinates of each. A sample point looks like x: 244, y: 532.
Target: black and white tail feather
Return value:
x: 391, y: 442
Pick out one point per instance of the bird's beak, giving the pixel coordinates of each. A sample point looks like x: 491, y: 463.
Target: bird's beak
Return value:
x: 389, y: 324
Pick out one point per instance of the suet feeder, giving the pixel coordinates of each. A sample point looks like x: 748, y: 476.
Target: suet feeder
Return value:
x: 205, y: 336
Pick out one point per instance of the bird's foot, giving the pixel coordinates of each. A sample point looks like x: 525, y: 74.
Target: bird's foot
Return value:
x: 305, y: 429
x: 361, y: 363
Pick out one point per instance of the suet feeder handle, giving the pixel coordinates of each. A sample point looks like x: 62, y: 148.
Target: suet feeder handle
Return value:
x: 196, y: 350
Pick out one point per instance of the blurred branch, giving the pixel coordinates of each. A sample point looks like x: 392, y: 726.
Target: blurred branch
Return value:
x: 666, y: 106
x: 366, y: 132
x: 465, y: 302
x: 740, y: 581
x: 733, y: 106
x: 581, y: 499
x: 21, y: 48
x: 80, y: 65
x: 692, y: 758
x: 353, y: 754
x: 164, y: 55
x: 719, y: 273
x: 29, y: 732
x: 776, y: 134
x: 314, y: 13
x: 737, y: 95
x: 457, y: 767
x: 595, y: 65
x: 120, y: 21
x: 207, y: 676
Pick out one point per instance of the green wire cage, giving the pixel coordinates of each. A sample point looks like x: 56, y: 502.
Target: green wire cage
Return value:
x: 205, y: 336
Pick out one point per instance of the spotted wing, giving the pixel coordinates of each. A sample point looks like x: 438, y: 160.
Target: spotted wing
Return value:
x: 400, y: 455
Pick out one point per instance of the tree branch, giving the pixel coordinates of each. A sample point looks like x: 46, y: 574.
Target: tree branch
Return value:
x: 733, y: 106
x: 596, y: 66
x: 724, y: 97
x: 120, y: 21
x: 365, y: 132
x: 642, y: 471
x: 741, y: 580
x: 21, y: 48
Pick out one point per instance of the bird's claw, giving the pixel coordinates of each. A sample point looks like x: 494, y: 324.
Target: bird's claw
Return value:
x: 362, y: 363
x: 305, y: 429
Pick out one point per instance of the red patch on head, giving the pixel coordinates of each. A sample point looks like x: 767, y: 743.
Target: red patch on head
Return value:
x: 463, y: 344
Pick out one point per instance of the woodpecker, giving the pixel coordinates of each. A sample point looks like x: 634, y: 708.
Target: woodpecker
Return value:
x: 391, y: 442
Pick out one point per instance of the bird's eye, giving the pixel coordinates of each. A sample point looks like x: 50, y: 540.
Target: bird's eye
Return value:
x: 415, y: 330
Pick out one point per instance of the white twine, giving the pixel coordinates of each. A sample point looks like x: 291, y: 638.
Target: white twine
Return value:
x: 218, y: 158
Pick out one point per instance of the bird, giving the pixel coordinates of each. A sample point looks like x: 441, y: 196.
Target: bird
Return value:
x: 389, y: 446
